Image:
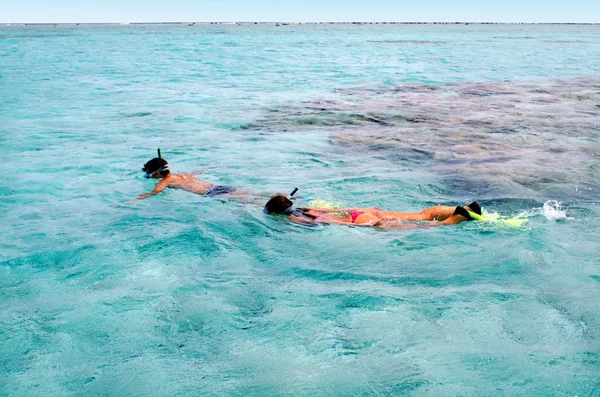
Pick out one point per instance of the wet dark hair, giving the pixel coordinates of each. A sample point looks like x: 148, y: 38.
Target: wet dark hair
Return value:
x: 278, y: 205
x: 156, y: 164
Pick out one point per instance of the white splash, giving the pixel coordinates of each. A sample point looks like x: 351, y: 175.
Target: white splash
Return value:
x: 552, y: 211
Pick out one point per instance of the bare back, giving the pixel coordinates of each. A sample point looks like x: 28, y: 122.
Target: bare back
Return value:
x: 186, y: 182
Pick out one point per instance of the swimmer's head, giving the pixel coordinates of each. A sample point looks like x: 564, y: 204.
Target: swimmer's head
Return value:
x: 156, y: 168
x: 279, y: 205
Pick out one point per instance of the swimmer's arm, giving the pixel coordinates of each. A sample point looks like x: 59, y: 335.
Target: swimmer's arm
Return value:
x: 246, y: 199
x: 346, y: 209
x: 197, y: 172
x: 330, y: 211
x: 302, y: 219
x: 160, y: 186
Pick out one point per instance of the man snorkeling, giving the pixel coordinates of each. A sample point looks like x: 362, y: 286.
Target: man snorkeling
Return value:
x: 436, y: 216
x: 158, y: 168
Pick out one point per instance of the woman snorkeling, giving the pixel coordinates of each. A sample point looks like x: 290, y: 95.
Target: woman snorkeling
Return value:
x: 374, y: 217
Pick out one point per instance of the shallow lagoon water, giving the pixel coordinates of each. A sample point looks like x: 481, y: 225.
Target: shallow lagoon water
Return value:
x: 186, y: 295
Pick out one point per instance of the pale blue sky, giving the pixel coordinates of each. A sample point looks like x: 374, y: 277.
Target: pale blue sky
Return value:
x: 13, y: 11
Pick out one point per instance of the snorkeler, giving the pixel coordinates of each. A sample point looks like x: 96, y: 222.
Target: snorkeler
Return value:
x: 437, y: 216
x: 158, y: 168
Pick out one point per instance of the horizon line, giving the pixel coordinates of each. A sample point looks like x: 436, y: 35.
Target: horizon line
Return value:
x: 301, y: 23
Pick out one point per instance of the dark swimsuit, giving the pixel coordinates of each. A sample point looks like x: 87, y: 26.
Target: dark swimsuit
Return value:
x: 220, y: 189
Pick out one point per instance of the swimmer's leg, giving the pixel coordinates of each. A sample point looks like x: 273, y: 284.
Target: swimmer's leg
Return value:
x: 246, y: 196
x: 459, y: 215
x: 238, y: 192
x: 437, y: 213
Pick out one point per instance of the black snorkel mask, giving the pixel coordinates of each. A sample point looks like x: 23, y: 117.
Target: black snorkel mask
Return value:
x: 150, y: 175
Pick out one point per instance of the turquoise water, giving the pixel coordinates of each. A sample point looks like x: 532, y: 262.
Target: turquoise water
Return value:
x: 182, y: 295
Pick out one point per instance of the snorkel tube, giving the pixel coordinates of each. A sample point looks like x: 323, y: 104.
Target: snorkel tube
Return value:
x: 293, y: 192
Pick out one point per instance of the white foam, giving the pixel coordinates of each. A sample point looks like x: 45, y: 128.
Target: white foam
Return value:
x: 552, y: 211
